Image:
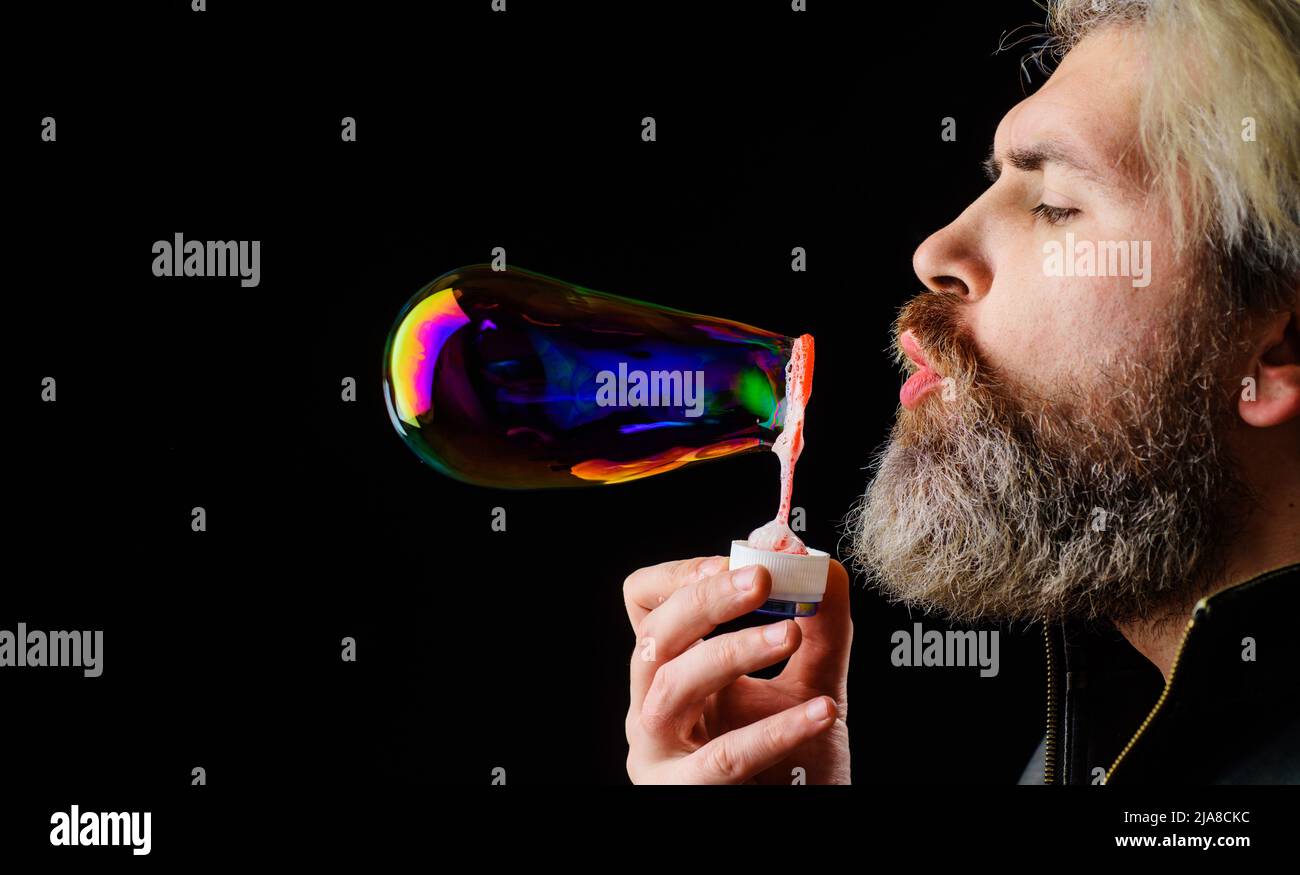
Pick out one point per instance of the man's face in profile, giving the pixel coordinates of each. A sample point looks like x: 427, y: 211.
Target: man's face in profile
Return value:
x: 1066, y: 458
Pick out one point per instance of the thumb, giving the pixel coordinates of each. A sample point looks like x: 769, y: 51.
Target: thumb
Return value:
x: 822, y: 660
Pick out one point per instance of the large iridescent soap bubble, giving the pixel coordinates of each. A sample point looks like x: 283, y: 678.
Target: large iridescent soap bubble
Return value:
x: 511, y: 379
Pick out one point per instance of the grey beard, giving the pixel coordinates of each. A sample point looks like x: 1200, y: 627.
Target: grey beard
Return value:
x: 1114, y: 504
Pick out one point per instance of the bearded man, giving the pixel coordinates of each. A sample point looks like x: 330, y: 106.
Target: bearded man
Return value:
x: 1111, y: 449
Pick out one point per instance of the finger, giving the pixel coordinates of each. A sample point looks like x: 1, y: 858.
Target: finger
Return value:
x: 704, y: 669
x: 647, y: 588
x: 822, y: 660
x: 742, y: 753
x: 691, y: 612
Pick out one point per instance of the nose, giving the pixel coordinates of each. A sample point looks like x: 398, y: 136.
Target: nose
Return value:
x: 951, y: 260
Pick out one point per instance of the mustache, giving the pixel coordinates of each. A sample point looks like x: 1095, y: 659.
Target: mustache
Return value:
x: 934, y: 318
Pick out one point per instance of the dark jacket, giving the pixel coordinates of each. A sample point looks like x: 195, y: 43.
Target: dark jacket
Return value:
x: 1222, y: 718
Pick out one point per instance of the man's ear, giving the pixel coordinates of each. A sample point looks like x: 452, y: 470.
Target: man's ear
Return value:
x: 1275, y: 367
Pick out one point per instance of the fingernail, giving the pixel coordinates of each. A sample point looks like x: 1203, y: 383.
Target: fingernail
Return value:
x: 743, y: 579
x: 818, y: 710
x: 775, y: 633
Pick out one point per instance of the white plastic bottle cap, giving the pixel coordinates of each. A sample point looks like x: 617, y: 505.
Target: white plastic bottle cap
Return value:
x: 795, y: 577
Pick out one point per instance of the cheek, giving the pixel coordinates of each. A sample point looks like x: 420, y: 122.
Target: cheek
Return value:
x: 1044, y: 331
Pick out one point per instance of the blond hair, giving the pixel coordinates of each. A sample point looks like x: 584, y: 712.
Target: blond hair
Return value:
x: 1219, y: 72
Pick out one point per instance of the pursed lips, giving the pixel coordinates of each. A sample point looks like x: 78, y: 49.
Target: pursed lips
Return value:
x: 924, y: 380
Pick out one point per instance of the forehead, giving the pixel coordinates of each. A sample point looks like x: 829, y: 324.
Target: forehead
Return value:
x: 1090, y: 105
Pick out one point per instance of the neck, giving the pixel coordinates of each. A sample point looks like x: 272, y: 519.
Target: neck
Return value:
x: 1270, y: 538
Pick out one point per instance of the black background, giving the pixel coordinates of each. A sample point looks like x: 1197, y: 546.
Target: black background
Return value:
x: 222, y: 648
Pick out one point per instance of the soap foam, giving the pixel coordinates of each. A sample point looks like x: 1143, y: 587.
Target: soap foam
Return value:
x: 777, y: 535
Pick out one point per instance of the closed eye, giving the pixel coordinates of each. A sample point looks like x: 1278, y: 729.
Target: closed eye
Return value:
x: 1054, y: 215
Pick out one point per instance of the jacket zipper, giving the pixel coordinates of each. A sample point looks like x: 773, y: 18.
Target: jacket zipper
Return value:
x: 1201, y: 607
x: 1049, y: 737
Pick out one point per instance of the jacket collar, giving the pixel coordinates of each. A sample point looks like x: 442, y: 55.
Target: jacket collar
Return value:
x: 1240, y: 643
x: 1239, y: 649
x: 1216, y: 647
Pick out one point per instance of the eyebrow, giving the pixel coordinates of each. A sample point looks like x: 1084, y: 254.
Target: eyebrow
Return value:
x: 1034, y: 157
